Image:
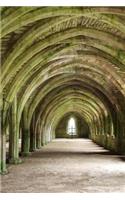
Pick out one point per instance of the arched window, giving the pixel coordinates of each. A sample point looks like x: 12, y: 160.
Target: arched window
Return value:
x: 71, y: 129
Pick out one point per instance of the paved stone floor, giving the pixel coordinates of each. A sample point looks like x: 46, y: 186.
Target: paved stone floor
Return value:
x: 67, y: 165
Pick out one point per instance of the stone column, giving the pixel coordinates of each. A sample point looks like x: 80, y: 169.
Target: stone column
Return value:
x: 25, y: 134
x: 32, y: 135
x: 42, y: 135
x: 14, y: 135
x: 2, y: 133
x: 38, y: 135
x: 3, y: 168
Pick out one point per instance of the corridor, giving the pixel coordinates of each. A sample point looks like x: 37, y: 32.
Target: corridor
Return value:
x: 67, y: 165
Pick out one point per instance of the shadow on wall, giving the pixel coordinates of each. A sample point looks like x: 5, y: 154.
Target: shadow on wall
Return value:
x: 79, y: 130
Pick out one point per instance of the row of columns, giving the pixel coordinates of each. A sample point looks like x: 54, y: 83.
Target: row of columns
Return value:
x: 30, y: 135
x: 32, y: 138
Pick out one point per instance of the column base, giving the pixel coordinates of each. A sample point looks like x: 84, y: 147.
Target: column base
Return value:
x: 15, y: 161
x: 25, y: 154
x: 32, y: 150
x: 38, y: 147
x: 4, y: 172
x: 3, y: 168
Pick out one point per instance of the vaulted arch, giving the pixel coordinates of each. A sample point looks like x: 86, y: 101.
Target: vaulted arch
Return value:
x: 60, y: 60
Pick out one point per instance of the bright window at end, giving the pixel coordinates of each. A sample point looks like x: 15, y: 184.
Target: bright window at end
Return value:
x: 71, y: 126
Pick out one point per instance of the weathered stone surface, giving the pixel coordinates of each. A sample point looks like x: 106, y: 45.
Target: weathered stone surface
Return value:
x: 59, y: 60
x: 67, y: 165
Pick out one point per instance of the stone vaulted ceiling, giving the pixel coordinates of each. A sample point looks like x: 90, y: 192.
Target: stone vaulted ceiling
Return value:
x: 62, y: 59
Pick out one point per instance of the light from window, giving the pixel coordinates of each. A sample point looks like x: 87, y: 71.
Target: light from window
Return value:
x: 71, y: 126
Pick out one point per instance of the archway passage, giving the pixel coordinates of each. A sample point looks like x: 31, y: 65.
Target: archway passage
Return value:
x: 58, y: 61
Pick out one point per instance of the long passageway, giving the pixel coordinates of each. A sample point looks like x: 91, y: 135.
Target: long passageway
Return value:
x: 67, y: 165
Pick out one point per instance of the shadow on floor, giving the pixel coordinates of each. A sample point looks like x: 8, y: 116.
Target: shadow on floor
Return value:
x: 45, y: 154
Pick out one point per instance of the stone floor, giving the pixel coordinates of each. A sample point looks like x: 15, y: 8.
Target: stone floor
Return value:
x: 67, y: 165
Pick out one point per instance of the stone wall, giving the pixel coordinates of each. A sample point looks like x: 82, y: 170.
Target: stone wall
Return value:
x: 81, y: 128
